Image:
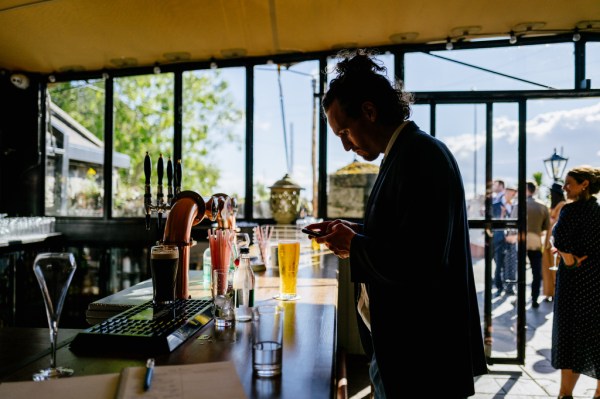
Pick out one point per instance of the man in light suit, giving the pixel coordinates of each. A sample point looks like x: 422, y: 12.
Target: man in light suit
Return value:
x: 410, y: 258
x: 538, y: 230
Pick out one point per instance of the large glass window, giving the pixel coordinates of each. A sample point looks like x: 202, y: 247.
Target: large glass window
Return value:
x: 285, y: 131
x: 75, y: 149
x: 143, y: 122
x: 462, y: 128
x: 534, y: 67
x: 213, y: 133
x: 505, y: 131
x: 569, y: 126
x: 285, y: 122
x: 421, y: 115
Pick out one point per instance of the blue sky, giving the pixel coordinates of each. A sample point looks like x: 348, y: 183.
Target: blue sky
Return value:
x: 572, y: 124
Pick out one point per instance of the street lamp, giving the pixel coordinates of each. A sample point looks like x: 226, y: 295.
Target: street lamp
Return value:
x: 555, y: 166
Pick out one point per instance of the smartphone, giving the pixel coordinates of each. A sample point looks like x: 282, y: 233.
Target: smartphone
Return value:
x: 312, y: 232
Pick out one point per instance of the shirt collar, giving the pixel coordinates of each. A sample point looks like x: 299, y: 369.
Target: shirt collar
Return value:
x: 393, y: 140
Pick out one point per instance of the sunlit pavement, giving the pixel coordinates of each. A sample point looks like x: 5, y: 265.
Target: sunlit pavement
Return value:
x: 537, y: 378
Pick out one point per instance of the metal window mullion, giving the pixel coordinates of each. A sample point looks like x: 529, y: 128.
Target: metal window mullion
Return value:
x: 249, y: 192
x: 522, y: 228
x: 322, y: 197
x: 178, y: 117
x: 108, y: 146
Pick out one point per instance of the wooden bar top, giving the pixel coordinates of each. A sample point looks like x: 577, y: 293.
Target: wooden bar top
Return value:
x: 309, y: 349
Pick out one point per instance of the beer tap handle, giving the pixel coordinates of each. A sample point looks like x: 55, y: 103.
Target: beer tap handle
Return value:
x: 178, y: 177
x: 159, y: 187
x: 159, y: 191
x: 160, y: 169
x: 169, y: 182
x: 147, y: 167
x: 221, y: 207
x: 147, y: 191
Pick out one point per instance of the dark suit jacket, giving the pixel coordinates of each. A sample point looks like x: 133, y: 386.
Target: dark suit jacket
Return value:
x: 414, y: 255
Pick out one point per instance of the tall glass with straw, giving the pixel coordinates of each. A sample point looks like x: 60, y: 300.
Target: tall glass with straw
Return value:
x: 220, y: 242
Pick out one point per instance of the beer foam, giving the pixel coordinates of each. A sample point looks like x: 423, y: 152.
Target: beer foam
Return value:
x: 165, y: 252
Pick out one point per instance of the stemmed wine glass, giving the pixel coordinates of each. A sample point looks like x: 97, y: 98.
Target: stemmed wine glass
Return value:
x: 554, y: 254
x: 54, y: 271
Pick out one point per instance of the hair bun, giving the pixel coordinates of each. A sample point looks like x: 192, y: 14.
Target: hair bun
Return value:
x: 357, y: 62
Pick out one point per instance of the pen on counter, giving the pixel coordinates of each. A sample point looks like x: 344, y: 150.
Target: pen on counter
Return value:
x: 149, y: 372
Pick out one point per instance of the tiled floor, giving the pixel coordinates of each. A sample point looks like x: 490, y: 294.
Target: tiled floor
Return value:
x: 536, y: 379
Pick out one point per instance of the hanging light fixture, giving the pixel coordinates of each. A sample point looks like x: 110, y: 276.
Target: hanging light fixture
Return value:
x: 449, y: 45
x: 555, y: 166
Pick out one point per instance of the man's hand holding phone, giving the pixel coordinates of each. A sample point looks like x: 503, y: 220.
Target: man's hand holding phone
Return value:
x: 312, y: 232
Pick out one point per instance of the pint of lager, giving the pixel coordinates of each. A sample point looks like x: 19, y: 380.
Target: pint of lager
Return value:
x: 289, y: 258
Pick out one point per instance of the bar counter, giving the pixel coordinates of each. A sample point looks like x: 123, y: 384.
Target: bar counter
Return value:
x: 309, y: 349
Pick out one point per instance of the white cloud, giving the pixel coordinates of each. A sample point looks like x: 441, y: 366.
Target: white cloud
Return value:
x: 546, y: 123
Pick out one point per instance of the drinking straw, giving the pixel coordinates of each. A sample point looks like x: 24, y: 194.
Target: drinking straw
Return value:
x: 219, y: 241
x: 263, y: 235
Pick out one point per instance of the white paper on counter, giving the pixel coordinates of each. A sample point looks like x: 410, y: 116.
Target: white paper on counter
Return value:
x: 99, y: 386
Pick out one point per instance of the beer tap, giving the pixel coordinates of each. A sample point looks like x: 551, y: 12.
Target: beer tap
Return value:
x: 160, y: 199
x: 177, y: 181
x: 212, y: 208
x: 161, y: 206
x: 225, y: 210
x: 169, y: 182
x: 233, y: 214
x: 220, y: 207
x: 147, y: 194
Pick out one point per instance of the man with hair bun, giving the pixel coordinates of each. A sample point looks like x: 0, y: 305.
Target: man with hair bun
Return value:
x: 410, y: 259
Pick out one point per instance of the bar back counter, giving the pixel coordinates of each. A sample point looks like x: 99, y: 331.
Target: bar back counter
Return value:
x: 309, y: 349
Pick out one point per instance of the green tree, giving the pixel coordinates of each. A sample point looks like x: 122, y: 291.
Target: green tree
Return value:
x: 537, y: 177
x: 144, y: 122
x: 83, y: 101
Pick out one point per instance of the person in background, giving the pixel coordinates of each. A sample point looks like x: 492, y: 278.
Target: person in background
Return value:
x: 538, y: 225
x: 410, y: 239
x: 576, y: 323
x: 509, y: 210
x: 557, y: 200
x: 498, y: 242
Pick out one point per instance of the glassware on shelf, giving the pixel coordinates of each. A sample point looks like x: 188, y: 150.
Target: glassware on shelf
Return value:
x: 54, y: 271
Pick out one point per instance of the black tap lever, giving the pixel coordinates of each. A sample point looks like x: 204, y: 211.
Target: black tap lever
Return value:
x: 159, y: 190
x: 147, y: 190
x: 169, y: 182
x: 178, y: 177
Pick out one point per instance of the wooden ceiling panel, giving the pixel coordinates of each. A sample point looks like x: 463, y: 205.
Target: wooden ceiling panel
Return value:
x: 53, y: 35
